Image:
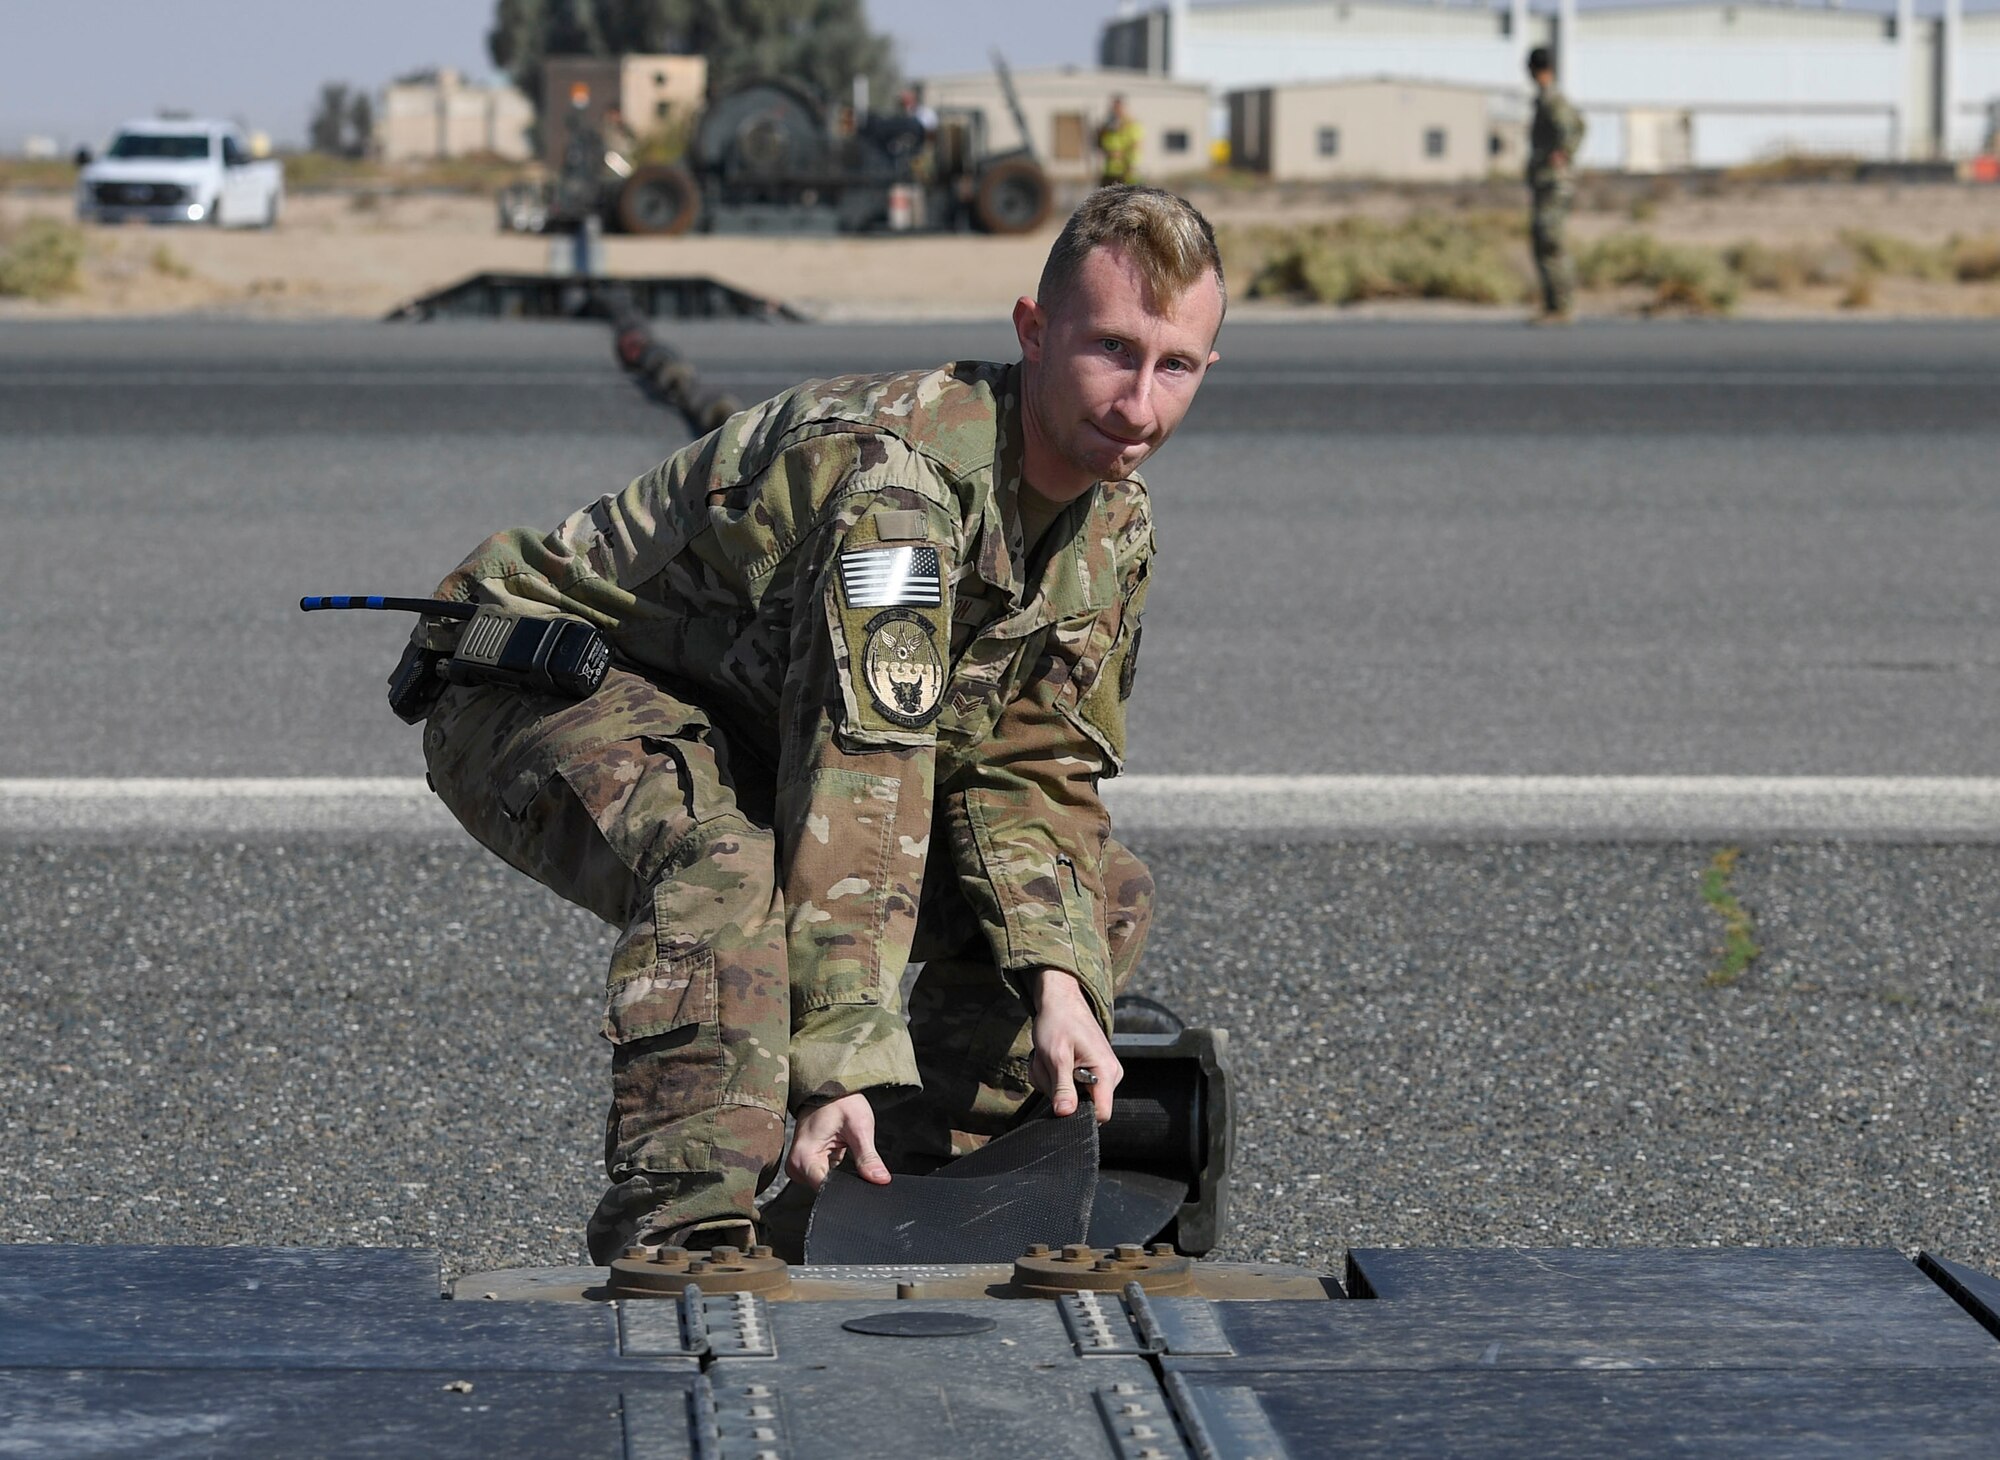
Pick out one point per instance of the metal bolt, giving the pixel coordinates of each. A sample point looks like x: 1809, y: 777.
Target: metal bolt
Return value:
x: 1129, y: 1251
x: 1131, y: 1409
x: 1143, y: 1432
x: 757, y: 1391
x: 1104, y: 1264
x: 1077, y: 1252
x: 763, y: 1432
x: 635, y: 1252
x: 1124, y: 1388
x: 1038, y: 1249
x: 760, y: 1411
x: 762, y: 1249
x: 724, y: 1253
x: 909, y: 1290
x: 1163, y: 1249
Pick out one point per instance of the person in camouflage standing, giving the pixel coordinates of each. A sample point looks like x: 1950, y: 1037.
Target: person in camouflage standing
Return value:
x: 1553, y: 138
x: 873, y: 642
x: 1118, y: 147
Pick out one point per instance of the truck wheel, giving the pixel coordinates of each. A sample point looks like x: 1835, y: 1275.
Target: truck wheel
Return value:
x: 659, y: 200
x: 1013, y: 197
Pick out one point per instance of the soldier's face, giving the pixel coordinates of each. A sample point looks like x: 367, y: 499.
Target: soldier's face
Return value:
x: 1107, y: 379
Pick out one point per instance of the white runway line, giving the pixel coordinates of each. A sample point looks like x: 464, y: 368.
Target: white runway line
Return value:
x: 1358, y: 808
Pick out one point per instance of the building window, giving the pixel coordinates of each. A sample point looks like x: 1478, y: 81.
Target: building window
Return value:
x: 1329, y: 141
x: 659, y: 78
x: 1434, y: 141
x: 1495, y: 144
x: 1174, y: 141
x: 660, y: 110
x: 1068, y: 136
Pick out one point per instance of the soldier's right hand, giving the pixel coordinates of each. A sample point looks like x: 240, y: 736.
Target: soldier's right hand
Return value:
x: 826, y: 1133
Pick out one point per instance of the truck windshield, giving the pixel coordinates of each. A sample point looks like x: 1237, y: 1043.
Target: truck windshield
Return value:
x: 177, y: 146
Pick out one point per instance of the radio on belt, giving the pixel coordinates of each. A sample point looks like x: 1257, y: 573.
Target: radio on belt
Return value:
x: 559, y: 655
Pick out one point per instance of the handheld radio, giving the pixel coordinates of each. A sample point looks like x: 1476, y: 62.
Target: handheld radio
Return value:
x: 552, y: 656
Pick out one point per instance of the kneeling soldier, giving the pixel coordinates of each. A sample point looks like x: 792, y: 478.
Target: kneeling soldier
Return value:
x: 873, y: 639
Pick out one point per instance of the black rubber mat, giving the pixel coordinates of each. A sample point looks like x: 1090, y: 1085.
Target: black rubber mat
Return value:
x: 1133, y: 1206
x: 1034, y: 1184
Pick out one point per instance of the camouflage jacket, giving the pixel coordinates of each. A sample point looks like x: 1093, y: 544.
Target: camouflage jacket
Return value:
x: 1557, y: 128
x: 838, y: 573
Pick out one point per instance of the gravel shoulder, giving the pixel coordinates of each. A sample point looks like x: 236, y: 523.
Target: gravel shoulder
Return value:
x: 1475, y: 1045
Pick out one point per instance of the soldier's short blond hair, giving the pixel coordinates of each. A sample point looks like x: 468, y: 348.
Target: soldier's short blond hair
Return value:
x: 1165, y: 235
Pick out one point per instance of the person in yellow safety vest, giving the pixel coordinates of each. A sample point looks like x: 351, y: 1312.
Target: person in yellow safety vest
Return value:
x: 1118, y: 142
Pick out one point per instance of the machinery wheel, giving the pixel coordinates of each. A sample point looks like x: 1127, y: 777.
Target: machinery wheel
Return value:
x: 658, y: 200
x: 1013, y: 197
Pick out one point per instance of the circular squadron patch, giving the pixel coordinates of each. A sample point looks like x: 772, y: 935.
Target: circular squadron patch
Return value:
x: 901, y: 667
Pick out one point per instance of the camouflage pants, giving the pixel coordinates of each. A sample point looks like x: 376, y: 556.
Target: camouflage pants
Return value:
x: 1548, y: 219
x: 630, y: 804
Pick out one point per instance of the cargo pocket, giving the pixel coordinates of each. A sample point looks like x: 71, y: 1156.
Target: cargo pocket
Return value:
x: 669, y: 993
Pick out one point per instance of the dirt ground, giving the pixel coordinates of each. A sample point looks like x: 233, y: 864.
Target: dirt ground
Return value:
x: 359, y: 255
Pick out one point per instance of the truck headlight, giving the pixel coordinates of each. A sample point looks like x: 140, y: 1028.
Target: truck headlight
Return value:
x: 196, y: 212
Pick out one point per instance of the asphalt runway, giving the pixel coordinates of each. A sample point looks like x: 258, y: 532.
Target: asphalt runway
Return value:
x: 1745, y: 550
x: 1388, y: 550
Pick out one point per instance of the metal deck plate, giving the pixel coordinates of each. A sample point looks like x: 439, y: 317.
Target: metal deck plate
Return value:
x: 256, y: 1308
x: 1019, y: 1389
x: 1923, y: 1331
x: 165, y: 1415
x: 1514, y: 1278
x: 1500, y: 1415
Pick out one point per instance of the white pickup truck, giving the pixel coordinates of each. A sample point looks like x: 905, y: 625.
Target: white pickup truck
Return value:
x: 181, y: 171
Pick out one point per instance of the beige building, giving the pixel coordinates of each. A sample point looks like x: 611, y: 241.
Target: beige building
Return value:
x: 1377, y: 127
x: 651, y: 92
x: 438, y: 114
x: 1065, y: 105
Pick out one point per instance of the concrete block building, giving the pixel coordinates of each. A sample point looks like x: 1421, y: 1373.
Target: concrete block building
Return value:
x: 1377, y: 127
x: 1063, y: 106
x: 435, y: 114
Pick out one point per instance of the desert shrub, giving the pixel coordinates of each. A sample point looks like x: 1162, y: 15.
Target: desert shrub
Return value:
x: 1783, y: 268
x: 1885, y: 253
x: 40, y: 259
x: 1681, y: 276
x: 1468, y: 257
x: 1975, y: 260
x: 1861, y: 293
x: 168, y: 264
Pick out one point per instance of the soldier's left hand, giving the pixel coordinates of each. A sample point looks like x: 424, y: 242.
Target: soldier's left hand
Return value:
x: 1068, y: 1038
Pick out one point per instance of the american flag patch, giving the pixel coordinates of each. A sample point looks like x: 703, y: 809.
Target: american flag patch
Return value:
x: 890, y: 577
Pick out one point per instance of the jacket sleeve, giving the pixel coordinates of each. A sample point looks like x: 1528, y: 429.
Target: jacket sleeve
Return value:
x: 1027, y: 825
x: 869, y: 660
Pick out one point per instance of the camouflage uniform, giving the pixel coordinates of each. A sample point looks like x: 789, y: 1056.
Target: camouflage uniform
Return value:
x: 833, y: 660
x: 1557, y: 130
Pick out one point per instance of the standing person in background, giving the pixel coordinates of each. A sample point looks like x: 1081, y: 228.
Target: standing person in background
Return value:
x: 1118, y: 142
x: 1553, y: 138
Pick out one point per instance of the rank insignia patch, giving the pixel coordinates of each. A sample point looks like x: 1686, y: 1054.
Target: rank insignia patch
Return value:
x: 888, y: 577
x: 902, y: 669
